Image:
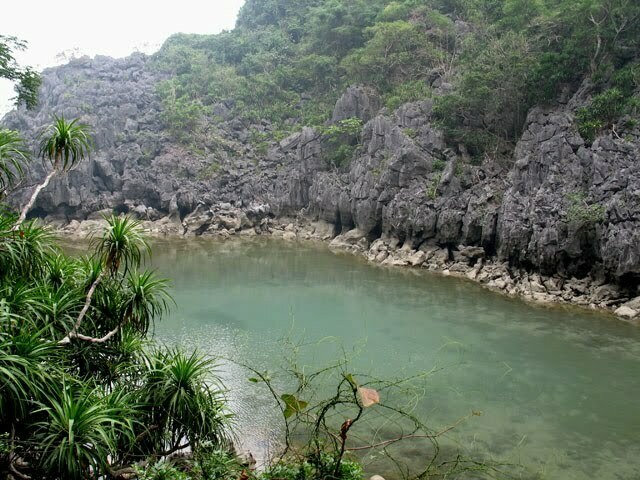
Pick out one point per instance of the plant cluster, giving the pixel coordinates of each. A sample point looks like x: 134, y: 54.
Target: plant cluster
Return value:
x: 287, y: 60
x: 26, y: 80
x: 341, y: 140
x: 582, y: 213
x: 83, y: 393
x: 607, y: 107
x: 335, y: 417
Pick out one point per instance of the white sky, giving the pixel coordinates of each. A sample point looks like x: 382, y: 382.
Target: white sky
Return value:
x: 115, y: 28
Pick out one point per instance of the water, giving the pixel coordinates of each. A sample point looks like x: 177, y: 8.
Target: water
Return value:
x: 558, y: 388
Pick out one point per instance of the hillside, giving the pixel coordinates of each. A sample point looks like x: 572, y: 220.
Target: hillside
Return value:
x: 508, y: 125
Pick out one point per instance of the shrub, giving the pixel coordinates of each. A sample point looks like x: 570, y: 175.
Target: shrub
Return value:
x: 341, y: 140
x: 407, y: 92
x: 160, y: 471
x: 603, y: 110
x: 582, y: 213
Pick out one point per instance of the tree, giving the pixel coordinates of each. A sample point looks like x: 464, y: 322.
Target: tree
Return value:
x: 63, y: 144
x: 492, y: 94
x: 121, y: 247
x: 13, y: 154
x: 27, y: 80
x: 395, y: 53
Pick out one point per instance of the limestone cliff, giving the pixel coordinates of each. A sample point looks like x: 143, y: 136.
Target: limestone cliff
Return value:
x: 559, y: 206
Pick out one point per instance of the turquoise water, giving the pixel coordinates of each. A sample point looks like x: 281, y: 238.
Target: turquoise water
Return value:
x: 558, y: 388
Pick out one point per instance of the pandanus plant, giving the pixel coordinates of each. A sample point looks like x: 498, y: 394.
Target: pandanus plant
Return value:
x: 120, y: 251
x: 63, y: 144
x: 13, y: 155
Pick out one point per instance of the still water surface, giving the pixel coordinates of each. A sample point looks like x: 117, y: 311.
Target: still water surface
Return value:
x: 558, y: 388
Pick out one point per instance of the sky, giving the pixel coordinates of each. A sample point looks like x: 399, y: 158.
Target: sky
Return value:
x: 115, y: 28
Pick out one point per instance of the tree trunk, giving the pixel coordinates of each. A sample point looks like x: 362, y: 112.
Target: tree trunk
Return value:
x: 32, y: 200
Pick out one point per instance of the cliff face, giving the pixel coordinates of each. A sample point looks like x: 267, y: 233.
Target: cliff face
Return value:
x: 560, y: 206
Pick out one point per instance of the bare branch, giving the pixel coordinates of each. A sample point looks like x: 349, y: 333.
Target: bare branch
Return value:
x: 406, y: 437
x: 66, y: 340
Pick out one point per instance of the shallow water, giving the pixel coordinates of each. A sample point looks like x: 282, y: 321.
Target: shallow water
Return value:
x: 558, y: 388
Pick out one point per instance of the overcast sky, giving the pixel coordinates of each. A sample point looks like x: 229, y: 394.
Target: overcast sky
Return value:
x: 115, y: 28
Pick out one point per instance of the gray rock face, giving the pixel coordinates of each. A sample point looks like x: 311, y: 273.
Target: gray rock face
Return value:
x: 356, y: 102
x: 560, y: 207
x: 570, y: 207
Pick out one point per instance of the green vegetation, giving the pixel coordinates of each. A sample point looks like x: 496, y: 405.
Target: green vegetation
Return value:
x: 210, y: 171
x: 26, y: 80
x: 287, y: 61
x: 603, y: 111
x: 581, y: 213
x: 432, y: 190
x: 328, y: 410
x: 341, y: 140
x: 525, y: 53
x: 63, y: 144
x: 83, y: 393
x: 13, y: 156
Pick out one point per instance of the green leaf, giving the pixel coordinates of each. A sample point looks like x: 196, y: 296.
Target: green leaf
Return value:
x: 254, y: 380
x: 293, y: 405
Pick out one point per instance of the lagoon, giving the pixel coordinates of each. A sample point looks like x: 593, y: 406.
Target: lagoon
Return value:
x: 558, y: 387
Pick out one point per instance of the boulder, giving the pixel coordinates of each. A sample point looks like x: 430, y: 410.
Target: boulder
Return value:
x: 289, y: 236
x: 626, y: 313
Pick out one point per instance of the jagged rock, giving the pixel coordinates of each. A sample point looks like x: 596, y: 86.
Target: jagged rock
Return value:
x: 471, y: 253
x: 380, y: 257
x: 556, y: 176
x: 473, y: 273
x: 404, y: 184
x: 100, y: 214
x: 543, y: 297
x: 140, y: 212
x: 440, y: 257
x: 459, y: 268
x: 634, y: 304
x: 499, y: 283
x: 358, y: 102
x: 606, y: 292
x: 417, y: 258
x: 230, y: 222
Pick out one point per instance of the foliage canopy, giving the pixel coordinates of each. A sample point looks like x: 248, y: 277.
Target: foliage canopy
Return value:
x: 287, y: 61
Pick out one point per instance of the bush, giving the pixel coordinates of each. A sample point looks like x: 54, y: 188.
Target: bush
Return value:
x: 602, y: 112
x: 582, y: 213
x: 407, y: 92
x: 160, y: 471
x: 213, y: 463
x: 341, y: 140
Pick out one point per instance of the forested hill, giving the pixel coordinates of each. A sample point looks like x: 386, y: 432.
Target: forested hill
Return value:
x: 507, y: 126
x: 488, y: 61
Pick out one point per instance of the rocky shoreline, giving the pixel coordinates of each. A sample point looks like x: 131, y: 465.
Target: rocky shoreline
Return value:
x: 472, y: 263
